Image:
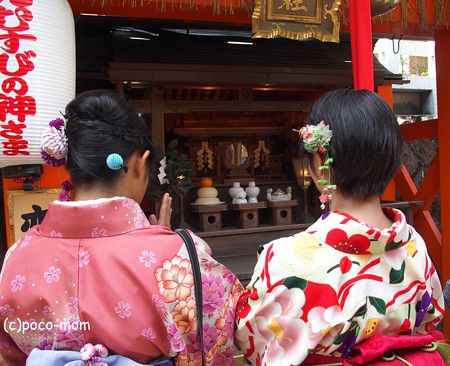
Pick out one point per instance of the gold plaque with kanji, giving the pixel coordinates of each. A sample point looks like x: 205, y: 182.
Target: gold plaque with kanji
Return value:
x: 297, y: 19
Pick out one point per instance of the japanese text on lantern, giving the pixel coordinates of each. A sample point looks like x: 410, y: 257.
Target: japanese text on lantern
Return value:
x: 15, y: 63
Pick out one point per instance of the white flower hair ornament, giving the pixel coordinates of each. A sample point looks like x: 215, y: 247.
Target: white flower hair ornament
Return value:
x: 54, y: 146
x: 317, y: 138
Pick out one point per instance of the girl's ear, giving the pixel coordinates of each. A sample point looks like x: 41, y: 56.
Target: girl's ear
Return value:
x: 140, y: 167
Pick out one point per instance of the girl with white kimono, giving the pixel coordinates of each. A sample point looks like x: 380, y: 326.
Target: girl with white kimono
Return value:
x: 360, y: 271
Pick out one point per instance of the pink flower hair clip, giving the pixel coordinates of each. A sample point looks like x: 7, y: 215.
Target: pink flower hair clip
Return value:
x: 54, y: 146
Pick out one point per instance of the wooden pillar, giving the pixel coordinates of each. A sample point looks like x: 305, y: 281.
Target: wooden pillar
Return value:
x: 386, y: 92
x: 120, y: 88
x: 157, y: 128
x: 442, y: 39
x: 361, y: 41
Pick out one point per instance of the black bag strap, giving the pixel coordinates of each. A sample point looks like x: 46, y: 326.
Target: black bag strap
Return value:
x: 189, y: 242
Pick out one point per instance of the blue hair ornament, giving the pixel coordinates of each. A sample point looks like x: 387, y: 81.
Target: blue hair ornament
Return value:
x: 115, y: 162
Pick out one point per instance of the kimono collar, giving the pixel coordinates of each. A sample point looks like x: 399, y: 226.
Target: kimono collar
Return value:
x: 349, y: 235
x: 93, y: 219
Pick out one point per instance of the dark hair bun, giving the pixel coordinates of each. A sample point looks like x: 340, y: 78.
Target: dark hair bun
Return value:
x: 100, y: 123
x: 367, y: 145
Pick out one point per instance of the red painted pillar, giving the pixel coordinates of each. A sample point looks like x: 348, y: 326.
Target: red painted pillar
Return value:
x: 361, y: 40
x: 386, y: 92
x: 442, y: 39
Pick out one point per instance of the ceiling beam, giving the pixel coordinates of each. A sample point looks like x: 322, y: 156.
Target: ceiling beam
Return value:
x: 181, y: 106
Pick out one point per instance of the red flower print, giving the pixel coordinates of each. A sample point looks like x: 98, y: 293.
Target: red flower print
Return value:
x: 345, y: 264
x: 355, y: 244
x: 406, y: 326
x: 243, y: 308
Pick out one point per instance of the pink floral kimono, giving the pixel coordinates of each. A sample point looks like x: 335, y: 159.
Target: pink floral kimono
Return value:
x: 98, y: 272
x: 325, y: 290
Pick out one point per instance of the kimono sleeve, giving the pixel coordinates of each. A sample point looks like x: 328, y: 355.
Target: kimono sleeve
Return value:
x: 10, y: 354
x: 221, y: 290
x: 282, y: 317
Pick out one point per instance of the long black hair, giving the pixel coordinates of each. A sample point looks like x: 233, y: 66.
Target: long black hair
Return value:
x: 366, y: 145
x: 100, y: 123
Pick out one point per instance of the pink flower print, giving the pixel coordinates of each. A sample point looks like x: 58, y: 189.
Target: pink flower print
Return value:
x: 127, y: 203
x: 98, y: 232
x: 176, y: 340
x: 68, y: 338
x: 139, y: 220
x: 159, y: 303
x: 224, y: 358
x: 175, y: 279
x: 46, y: 344
x: 24, y: 241
x: 321, y: 320
x: 210, y: 337
x: 17, y: 283
x: 55, y: 234
x: 229, y: 277
x: 52, y: 275
x: 209, y: 265
x: 147, y: 258
x: 47, y: 310
x: 396, y: 257
x: 149, y: 334
x: 281, y: 331
x: 83, y: 257
x: 72, y: 306
x: 46, y: 334
x: 123, y: 309
x: 6, y: 311
x: 213, y: 294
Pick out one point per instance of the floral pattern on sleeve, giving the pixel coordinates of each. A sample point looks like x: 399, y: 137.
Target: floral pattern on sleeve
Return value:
x: 327, y: 289
x: 221, y: 291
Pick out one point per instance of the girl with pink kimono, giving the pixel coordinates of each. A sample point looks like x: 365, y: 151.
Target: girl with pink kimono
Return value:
x: 358, y: 286
x: 96, y: 271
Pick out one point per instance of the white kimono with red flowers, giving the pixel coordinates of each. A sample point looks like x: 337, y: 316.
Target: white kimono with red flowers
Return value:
x: 100, y: 263
x: 324, y: 290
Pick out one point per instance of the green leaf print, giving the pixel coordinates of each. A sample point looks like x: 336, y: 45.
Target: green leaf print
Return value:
x: 339, y: 339
x: 378, y: 304
x: 362, y: 311
x: 393, y: 245
x: 397, y: 276
x: 260, y: 249
x: 295, y: 282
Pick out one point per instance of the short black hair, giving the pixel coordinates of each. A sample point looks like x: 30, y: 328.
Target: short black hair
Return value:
x: 100, y: 123
x: 366, y: 146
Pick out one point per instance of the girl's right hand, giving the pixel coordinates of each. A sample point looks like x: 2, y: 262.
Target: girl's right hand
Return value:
x: 165, y: 212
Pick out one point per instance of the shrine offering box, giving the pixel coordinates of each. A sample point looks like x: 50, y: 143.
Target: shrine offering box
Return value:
x: 248, y: 213
x: 210, y: 216
x: 281, y: 211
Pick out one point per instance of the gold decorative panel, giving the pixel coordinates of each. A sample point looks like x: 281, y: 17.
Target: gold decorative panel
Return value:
x: 297, y: 19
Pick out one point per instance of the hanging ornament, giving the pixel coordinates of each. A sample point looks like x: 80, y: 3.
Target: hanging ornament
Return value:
x: 205, y: 158
x: 162, y: 171
x: 379, y: 7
